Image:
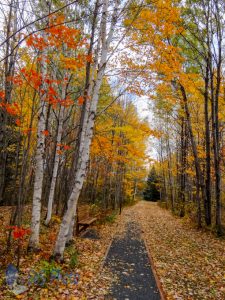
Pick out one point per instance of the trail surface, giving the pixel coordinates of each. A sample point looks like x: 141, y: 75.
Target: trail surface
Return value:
x: 129, y: 262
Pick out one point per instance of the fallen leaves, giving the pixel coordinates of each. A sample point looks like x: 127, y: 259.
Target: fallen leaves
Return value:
x: 189, y: 262
x: 93, y: 280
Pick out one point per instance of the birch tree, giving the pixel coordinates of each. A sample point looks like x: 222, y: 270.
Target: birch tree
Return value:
x: 87, y: 128
x: 40, y: 150
x: 39, y: 159
x: 56, y: 158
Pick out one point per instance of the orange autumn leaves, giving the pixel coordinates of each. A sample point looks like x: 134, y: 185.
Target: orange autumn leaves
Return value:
x: 62, y: 148
x: 119, y: 143
x: 12, y: 109
x: 58, y: 34
x: 59, y: 37
x: 71, y: 43
x: 153, y: 32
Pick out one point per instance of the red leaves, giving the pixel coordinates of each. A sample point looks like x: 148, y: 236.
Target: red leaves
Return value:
x: 36, y: 41
x: 16, y: 79
x: 67, y: 102
x: 67, y: 147
x: 45, y: 132
x: 63, y: 148
x: 32, y: 76
x: 18, y: 122
x: 12, y: 109
x: 89, y: 58
x: 51, y: 91
x: 19, y: 232
x: 80, y: 100
x: 57, y: 35
x: 2, y: 94
x: 28, y: 130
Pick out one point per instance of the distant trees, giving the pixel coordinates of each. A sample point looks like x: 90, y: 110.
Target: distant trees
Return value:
x: 151, y: 192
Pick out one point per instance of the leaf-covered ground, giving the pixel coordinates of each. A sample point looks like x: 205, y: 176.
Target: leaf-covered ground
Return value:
x: 84, y: 258
x: 189, y: 262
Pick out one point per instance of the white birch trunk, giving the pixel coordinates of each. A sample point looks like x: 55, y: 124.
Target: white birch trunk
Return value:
x: 56, y: 161
x: 87, y: 134
x: 71, y: 230
x: 39, y: 159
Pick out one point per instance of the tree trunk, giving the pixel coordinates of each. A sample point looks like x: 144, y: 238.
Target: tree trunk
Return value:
x: 56, y: 160
x: 207, y: 202
x: 86, y: 135
x: 199, y: 177
x: 39, y: 159
x: 215, y: 118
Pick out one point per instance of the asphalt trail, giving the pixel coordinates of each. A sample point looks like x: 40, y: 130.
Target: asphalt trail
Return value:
x: 128, y: 260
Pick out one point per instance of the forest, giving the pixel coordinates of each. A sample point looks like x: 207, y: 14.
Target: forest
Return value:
x: 79, y: 151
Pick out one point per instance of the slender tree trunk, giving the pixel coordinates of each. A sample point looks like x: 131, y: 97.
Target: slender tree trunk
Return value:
x: 56, y: 160
x: 207, y: 202
x: 164, y: 192
x: 215, y: 118
x: 199, y: 177
x: 183, y: 166
x: 39, y: 159
x: 9, y: 68
x: 170, y: 175
x: 71, y: 230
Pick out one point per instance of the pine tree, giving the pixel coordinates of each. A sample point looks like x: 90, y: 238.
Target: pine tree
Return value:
x: 151, y: 193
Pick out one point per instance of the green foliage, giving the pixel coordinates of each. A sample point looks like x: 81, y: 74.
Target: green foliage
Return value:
x: 151, y: 193
x: 111, y: 218
x: 95, y: 208
x: 44, y: 273
x: 74, y: 259
x: 73, y: 254
x: 49, y: 269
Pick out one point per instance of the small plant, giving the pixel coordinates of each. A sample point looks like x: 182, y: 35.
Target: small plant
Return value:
x: 48, y: 271
x: 73, y: 255
x: 18, y: 234
x: 73, y: 259
x: 94, y: 209
x: 111, y: 218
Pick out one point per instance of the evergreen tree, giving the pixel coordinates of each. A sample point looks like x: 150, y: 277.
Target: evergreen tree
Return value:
x: 151, y: 193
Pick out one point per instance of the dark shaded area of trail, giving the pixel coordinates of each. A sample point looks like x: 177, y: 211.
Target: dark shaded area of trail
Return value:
x: 128, y: 260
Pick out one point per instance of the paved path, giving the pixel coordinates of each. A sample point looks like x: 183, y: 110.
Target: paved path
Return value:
x: 128, y: 260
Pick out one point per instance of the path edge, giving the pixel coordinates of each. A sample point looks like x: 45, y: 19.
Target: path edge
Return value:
x: 158, y: 282
x: 105, y: 256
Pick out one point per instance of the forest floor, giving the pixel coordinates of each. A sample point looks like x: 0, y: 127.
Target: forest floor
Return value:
x: 80, y: 277
x: 189, y: 263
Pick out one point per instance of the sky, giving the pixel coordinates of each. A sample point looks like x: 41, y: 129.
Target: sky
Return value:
x: 143, y: 104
